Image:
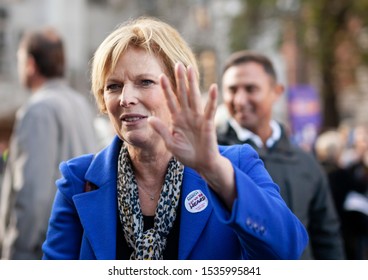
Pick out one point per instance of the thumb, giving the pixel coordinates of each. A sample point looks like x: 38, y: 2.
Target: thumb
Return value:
x: 161, y: 129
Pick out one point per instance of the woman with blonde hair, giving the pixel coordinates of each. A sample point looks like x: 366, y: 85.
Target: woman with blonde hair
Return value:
x: 163, y: 189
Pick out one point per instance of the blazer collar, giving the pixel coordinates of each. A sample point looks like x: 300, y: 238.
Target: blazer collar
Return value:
x: 104, y: 167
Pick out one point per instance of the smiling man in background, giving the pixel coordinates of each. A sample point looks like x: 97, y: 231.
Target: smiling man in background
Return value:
x: 250, y: 90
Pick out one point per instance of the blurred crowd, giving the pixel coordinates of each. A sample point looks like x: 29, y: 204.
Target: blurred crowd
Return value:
x: 343, y: 153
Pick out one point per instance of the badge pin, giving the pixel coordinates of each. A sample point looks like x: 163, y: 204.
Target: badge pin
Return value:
x: 196, y: 201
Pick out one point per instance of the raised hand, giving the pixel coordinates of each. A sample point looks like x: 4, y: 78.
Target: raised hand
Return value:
x: 192, y: 136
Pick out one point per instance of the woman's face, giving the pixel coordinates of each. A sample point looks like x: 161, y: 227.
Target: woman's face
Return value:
x: 132, y: 93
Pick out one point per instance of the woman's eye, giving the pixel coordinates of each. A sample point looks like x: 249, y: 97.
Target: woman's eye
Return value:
x: 113, y: 87
x: 146, y: 83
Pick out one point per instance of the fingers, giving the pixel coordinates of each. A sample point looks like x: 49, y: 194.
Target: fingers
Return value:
x: 188, y: 94
x: 187, y: 88
x: 210, y: 109
x: 169, y: 95
x: 181, y: 85
x: 195, y: 101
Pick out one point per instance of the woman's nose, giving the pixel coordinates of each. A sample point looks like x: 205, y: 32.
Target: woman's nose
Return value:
x: 128, y: 96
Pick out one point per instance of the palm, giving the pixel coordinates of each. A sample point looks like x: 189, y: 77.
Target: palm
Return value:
x: 193, y: 139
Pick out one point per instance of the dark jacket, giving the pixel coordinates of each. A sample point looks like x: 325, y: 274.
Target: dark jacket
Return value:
x: 304, y: 187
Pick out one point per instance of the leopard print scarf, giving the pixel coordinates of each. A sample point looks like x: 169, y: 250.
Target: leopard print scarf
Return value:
x: 149, y: 244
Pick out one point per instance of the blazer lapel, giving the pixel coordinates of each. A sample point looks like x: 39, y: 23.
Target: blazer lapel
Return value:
x: 97, y: 211
x: 192, y: 224
x: 98, y: 208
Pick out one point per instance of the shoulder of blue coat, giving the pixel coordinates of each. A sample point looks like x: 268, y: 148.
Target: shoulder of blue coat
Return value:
x: 236, y: 151
x: 73, y: 172
x: 79, y: 165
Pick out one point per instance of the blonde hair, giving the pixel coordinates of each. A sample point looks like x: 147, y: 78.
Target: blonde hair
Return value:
x: 148, y: 33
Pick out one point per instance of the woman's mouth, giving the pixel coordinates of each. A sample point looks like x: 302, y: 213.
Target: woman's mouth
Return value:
x: 132, y: 119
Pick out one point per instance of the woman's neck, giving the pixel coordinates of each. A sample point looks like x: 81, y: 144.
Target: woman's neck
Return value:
x: 149, y: 164
x: 149, y: 170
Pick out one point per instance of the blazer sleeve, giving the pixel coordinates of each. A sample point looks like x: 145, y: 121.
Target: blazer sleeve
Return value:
x: 266, y: 227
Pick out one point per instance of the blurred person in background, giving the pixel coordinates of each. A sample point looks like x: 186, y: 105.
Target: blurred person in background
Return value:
x: 328, y: 148
x: 355, y: 206
x: 345, y: 161
x: 3, y: 160
x: 56, y: 123
x: 163, y: 189
x: 250, y: 89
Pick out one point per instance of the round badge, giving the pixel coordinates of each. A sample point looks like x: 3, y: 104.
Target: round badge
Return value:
x: 196, y: 201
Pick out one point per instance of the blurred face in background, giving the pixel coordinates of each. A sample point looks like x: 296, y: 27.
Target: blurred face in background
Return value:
x: 360, y: 140
x: 27, y: 69
x: 22, y: 58
x: 249, y: 94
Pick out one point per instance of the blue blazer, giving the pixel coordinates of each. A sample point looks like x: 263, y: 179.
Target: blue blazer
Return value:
x: 259, y: 226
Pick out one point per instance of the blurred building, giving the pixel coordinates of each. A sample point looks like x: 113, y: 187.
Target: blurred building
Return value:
x: 85, y: 23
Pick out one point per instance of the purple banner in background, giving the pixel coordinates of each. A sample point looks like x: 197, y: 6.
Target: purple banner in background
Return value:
x: 304, y: 115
